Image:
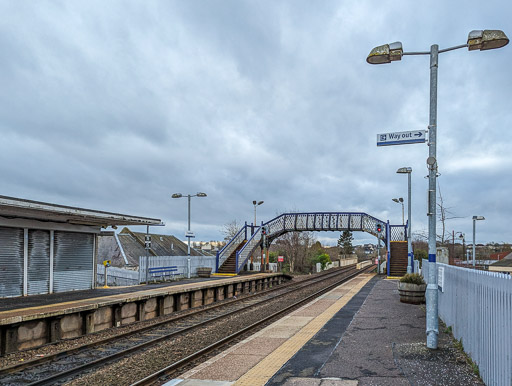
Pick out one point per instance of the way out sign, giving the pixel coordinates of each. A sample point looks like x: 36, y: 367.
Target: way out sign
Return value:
x: 402, y: 138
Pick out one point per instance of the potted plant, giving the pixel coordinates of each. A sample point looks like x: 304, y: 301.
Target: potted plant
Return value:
x: 412, y: 288
x: 204, y: 271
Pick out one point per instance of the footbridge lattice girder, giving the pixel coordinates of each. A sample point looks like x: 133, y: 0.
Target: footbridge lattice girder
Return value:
x: 307, y: 222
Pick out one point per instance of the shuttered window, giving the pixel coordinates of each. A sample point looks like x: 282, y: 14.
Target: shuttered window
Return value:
x: 11, y: 262
x: 38, y: 262
x: 73, y: 261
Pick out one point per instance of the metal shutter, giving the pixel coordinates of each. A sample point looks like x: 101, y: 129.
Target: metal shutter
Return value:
x: 72, y: 262
x: 38, y: 262
x: 11, y: 262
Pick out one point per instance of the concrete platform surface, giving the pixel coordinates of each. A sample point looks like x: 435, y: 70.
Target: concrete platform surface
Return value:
x: 357, y: 334
x: 15, y: 310
x: 7, y: 304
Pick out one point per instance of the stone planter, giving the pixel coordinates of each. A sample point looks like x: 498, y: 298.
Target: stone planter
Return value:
x: 204, y: 271
x: 412, y: 293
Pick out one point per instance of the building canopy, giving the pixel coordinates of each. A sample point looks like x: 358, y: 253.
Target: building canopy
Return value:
x: 11, y: 207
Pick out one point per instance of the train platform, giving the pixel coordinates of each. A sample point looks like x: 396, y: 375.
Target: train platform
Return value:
x: 28, y: 322
x: 15, y: 303
x: 357, y: 334
x: 21, y: 308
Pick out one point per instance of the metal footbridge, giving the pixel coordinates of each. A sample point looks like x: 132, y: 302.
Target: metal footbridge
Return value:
x: 238, y: 250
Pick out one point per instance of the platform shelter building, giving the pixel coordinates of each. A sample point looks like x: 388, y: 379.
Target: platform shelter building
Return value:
x: 47, y: 248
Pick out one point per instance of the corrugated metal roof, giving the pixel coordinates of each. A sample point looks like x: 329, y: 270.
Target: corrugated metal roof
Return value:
x: 12, y: 207
x: 133, y: 246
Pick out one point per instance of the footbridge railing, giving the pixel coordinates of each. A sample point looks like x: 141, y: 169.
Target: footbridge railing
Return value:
x: 244, y: 253
x: 231, y: 246
x: 308, y: 222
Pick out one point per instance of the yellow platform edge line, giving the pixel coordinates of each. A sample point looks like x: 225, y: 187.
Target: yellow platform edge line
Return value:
x: 268, y: 366
x: 223, y: 274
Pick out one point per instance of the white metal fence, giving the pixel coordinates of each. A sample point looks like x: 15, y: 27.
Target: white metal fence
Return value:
x: 272, y: 266
x: 116, y: 276
x: 180, y: 262
x: 478, y: 306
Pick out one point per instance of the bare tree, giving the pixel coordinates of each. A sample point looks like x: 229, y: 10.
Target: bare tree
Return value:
x: 230, y: 229
x: 443, y: 214
x: 296, y: 247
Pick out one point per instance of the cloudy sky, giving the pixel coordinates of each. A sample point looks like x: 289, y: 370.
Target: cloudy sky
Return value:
x: 115, y: 105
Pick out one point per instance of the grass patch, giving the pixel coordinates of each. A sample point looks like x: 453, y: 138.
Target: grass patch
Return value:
x: 457, y: 343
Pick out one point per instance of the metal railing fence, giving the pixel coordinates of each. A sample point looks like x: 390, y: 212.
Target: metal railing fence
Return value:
x: 233, y: 244
x: 478, y: 306
x: 181, y: 262
x: 116, y: 276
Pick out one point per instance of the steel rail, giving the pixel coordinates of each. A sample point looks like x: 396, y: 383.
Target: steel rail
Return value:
x: 167, y: 319
x: 184, y: 361
x: 290, y: 287
x: 123, y: 353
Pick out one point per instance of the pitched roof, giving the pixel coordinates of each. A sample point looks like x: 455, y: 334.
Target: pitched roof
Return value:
x: 133, y: 247
x: 504, y: 265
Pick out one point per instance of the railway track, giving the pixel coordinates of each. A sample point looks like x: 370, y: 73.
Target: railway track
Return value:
x: 253, y: 311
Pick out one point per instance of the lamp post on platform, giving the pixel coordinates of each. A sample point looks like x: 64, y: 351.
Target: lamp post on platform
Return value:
x: 256, y: 204
x: 189, y: 234
x: 410, y: 257
x: 477, y: 40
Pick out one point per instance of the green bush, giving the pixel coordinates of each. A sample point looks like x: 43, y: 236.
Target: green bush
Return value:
x: 323, y: 259
x: 420, y: 254
x: 413, y: 278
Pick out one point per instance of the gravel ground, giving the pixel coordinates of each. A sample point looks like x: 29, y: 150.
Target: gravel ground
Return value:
x: 423, y: 366
x: 21, y: 356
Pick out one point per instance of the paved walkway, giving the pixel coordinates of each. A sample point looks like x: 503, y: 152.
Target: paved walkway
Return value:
x: 357, y: 334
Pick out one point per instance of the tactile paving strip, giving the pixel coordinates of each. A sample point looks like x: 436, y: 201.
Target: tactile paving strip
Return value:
x: 250, y: 362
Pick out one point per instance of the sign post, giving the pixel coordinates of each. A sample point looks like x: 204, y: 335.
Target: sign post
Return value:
x: 106, y: 264
x: 280, y: 259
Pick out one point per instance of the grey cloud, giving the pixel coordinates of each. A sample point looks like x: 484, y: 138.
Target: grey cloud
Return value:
x: 118, y: 105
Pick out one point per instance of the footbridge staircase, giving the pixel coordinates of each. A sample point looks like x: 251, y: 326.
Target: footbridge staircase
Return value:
x: 235, y: 254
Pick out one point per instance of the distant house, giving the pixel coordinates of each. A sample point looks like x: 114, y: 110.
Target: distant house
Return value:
x: 124, y: 248
x: 209, y: 247
x: 503, y: 265
x: 368, y: 248
x: 499, y: 255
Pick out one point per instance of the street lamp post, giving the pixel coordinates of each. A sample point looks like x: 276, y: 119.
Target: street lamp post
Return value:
x: 189, y: 233
x: 410, y: 257
x: 400, y: 201
x: 475, y: 219
x: 256, y: 204
x: 477, y: 40
x: 462, y: 236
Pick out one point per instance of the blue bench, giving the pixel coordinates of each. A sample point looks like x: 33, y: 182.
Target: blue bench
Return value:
x: 163, y: 271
